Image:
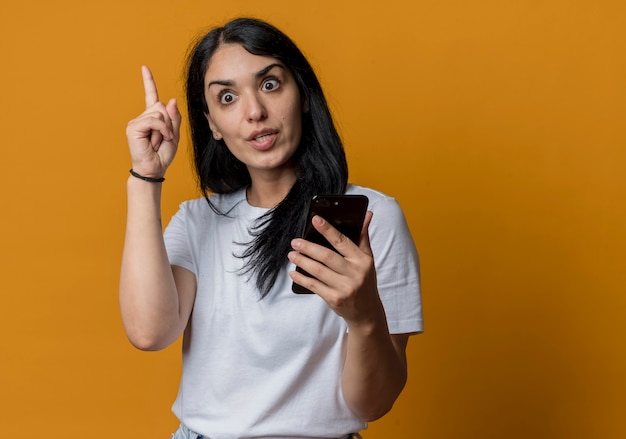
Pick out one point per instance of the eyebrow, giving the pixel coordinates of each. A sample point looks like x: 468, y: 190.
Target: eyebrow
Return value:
x: 260, y: 73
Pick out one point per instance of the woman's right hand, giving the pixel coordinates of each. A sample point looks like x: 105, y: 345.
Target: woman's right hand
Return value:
x: 153, y: 135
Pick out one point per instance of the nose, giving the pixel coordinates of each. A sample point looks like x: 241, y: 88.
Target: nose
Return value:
x: 255, y: 109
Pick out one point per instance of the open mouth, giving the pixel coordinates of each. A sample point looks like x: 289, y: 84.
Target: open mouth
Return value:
x: 263, y: 138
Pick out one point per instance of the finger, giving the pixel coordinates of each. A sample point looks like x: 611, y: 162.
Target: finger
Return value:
x: 364, y: 240
x: 317, y: 260
x: 142, y: 127
x: 162, y: 113
x: 319, y: 275
x: 310, y: 283
x: 149, y: 86
x: 156, y: 138
x: 160, y: 121
x: 338, y: 240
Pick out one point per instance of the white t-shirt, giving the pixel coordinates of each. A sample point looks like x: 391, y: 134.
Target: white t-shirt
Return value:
x: 271, y: 368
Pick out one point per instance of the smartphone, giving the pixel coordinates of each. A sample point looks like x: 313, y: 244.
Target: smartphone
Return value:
x: 344, y: 212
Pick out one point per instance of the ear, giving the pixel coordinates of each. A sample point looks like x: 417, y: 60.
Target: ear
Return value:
x: 305, y: 105
x: 216, y: 133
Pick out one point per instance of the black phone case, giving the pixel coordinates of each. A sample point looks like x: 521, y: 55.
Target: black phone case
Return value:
x: 345, y: 212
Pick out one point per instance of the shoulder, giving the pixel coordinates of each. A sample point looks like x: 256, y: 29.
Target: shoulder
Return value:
x: 373, y: 195
x: 379, y: 203
x: 389, y: 224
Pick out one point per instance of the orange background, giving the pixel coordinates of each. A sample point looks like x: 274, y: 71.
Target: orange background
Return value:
x: 499, y: 125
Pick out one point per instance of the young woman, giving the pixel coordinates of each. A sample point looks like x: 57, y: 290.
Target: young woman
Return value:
x: 258, y: 360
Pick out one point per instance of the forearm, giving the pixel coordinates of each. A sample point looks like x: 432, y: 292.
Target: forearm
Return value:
x: 375, y: 369
x: 148, y: 296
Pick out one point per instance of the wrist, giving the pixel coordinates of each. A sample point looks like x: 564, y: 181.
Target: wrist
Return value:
x: 372, y: 324
x: 138, y: 186
x: 147, y: 178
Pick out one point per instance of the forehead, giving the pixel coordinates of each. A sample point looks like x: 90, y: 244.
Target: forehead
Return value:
x: 232, y: 62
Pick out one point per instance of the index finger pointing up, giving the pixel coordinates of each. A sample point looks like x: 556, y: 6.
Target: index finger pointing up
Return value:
x: 152, y: 96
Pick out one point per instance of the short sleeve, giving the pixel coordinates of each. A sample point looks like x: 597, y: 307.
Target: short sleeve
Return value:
x: 397, y: 267
x: 177, y: 243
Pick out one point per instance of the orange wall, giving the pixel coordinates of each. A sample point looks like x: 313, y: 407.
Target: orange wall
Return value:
x: 499, y: 125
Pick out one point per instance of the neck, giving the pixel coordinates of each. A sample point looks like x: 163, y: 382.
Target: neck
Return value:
x: 269, y: 190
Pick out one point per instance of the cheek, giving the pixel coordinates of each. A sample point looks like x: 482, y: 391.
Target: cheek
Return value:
x: 294, y: 122
x: 222, y: 124
x: 294, y: 117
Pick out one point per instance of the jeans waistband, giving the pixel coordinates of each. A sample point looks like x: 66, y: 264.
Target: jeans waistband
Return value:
x: 185, y: 433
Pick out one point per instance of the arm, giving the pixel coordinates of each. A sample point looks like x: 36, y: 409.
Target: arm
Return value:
x: 374, y: 371
x: 155, y: 298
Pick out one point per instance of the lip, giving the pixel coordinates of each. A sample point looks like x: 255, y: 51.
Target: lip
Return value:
x: 268, y: 135
x: 263, y: 132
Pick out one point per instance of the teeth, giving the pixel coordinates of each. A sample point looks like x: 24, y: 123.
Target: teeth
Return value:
x: 263, y: 138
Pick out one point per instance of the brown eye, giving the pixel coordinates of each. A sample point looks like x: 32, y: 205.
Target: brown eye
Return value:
x: 226, y: 98
x: 270, y: 84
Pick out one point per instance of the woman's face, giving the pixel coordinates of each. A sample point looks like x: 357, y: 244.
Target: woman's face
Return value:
x: 255, y: 107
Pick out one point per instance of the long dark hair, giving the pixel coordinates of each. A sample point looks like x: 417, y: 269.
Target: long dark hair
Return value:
x: 320, y: 158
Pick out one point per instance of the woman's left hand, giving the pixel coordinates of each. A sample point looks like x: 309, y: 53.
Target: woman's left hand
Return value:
x: 374, y: 370
x: 345, y: 280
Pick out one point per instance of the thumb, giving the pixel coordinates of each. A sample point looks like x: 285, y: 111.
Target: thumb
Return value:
x: 174, y: 113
